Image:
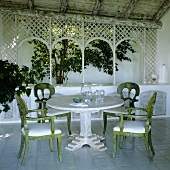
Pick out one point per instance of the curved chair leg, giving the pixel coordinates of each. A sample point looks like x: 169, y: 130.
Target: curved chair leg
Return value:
x: 147, y: 147
x: 104, y: 122
x: 51, y: 144
x: 150, y: 143
x: 115, y: 145
x: 59, y: 140
x: 21, y: 146
x: 25, y: 151
x: 121, y: 142
x: 69, y: 123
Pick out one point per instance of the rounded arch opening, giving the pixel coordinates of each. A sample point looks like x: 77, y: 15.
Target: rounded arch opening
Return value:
x: 98, y: 61
x: 66, y: 61
x: 130, y: 66
x: 34, y: 52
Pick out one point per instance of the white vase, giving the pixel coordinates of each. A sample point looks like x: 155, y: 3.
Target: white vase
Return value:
x: 163, y: 78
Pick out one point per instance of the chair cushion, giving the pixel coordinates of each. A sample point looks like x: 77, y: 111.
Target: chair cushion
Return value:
x: 40, y: 129
x: 132, y: 126
x: 55, y: 112
x: 117, y: 110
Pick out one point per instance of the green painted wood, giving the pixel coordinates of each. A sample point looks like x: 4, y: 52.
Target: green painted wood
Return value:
x: 146, y: 135
x: 41, y: 100
x: 131, y: 98
x: 25, y: 137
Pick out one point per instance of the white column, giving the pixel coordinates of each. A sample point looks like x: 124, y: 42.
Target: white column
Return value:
x: 85, y: 124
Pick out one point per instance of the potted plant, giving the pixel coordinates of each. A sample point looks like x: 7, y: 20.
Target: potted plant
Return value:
x: 13, y: 80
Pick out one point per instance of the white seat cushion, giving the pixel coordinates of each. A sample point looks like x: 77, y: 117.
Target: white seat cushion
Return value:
x: 32, y: 114
x: 118, y: 110
x: 132, y: 126
x: 40, y: 129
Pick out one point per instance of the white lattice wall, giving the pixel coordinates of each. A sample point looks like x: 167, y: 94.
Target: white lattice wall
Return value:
x: 150, y: 54
x: 19, y: 28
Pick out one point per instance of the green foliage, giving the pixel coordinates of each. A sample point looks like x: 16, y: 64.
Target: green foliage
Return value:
x: 100, y: 55
x: 13, y: 80
x: 121, y: 51
x: 40, y: 60
x: 67, y: 56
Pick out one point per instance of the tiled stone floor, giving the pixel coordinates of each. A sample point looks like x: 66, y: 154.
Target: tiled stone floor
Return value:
x: 131, y: 157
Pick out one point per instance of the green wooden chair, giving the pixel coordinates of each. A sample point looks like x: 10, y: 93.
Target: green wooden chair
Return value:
x: 141, y: 127
x: 129, y: 92
x: 42, y: 93
x: 32, y: 130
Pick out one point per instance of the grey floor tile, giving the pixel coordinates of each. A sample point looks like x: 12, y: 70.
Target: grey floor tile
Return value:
x: 163, y: 166
x: 133, y: 155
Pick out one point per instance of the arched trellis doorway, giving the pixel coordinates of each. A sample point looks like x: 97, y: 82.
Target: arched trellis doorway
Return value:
x: 26, y: 43
x: 72, y: 56
x: 101, y: 59
x: 132, y: 68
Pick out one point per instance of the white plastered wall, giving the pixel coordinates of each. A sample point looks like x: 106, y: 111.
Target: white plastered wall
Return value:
x: 164, y: 45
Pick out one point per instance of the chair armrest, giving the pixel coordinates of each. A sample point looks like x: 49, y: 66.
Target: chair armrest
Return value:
x: 43, y: 112
x: 40, y: 118
x: 134, y: 116
x: 130, y: 109
x: 36, y: 110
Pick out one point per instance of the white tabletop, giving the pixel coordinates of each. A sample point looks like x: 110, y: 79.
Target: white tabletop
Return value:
x: 63, y: 103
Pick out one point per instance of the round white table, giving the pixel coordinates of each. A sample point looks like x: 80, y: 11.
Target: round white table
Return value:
x: 86, y: 137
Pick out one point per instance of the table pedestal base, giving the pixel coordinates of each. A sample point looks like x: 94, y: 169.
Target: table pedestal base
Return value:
x: 93, y: 141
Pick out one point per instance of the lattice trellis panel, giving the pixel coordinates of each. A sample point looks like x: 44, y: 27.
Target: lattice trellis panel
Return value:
x: 126, y: 32
x: 147, y: 38
x: 92, y: 30
x: 17, y: 28
x: 9, y: 38
x: 150, y: 54
x: 29, y: 26
x: 62, y: 28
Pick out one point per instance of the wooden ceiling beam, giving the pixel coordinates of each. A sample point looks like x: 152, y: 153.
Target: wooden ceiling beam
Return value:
x: 130, y: 8
x: 11, y: 4
x: 97, y: 7
x: 63, y: 7
x: 162, y: 10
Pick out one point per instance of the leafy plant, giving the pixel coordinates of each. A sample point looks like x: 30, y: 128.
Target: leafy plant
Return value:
x: 13, y: 80
x: 40, y: 60
x: 66, y: 56
x: 121, y: 51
